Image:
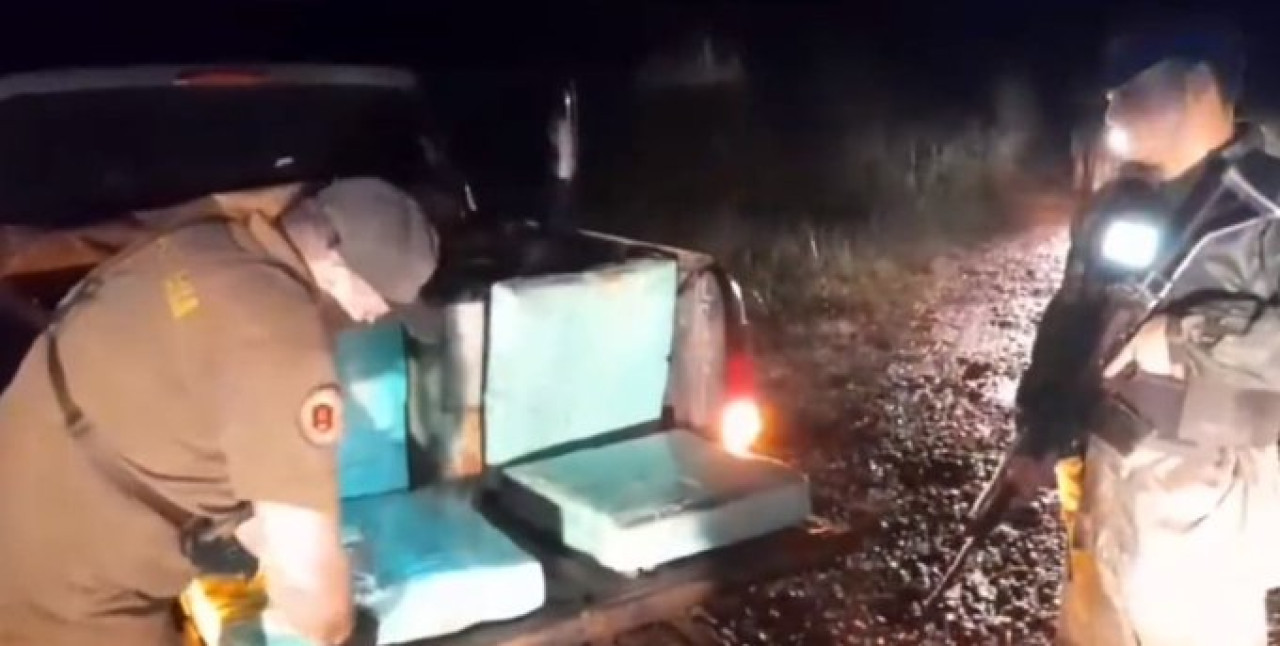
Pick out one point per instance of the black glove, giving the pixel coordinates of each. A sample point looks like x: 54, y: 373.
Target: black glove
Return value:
x: 365, y: 631
x: 215, y: 552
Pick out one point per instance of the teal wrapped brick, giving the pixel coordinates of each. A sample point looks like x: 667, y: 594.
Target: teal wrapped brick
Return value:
x: 374, y: 372
x: 575, y: 356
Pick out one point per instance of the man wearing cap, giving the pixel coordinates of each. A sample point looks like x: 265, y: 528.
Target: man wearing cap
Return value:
x: 183, y: 387
x: 1172, y: 534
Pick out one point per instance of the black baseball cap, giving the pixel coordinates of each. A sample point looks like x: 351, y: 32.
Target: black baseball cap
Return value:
x: 1191, y: 38
x: 384, y: 237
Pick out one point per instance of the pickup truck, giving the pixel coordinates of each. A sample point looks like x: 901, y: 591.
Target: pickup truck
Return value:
x: 565, y: 457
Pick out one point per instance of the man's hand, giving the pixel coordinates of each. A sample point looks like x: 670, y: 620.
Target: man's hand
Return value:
x: 1148, y: 351
x: 249, y: 533
x: 307, y: 574
x: 1029, y: 475
x: 365, y: 630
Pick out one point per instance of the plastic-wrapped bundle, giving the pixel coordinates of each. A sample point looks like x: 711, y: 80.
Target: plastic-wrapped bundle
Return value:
x: 425, y: 563
x: 374, y: 372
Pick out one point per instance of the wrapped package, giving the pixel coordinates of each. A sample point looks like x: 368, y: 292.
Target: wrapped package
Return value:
x: 425, y: 563
x: 576, y: 356
x: 637, y: 504
x: 374, y: 371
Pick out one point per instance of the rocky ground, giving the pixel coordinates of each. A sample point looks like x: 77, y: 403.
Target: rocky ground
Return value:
x: 909, y: 434
x: 905, y: 430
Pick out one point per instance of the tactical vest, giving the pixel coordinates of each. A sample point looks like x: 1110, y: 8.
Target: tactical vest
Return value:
x: 1223, y: 297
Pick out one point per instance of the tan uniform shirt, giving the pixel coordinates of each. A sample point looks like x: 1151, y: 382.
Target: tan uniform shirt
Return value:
x: 193, y: 361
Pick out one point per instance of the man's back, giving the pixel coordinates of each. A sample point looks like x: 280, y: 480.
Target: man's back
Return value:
x: 153, y: 358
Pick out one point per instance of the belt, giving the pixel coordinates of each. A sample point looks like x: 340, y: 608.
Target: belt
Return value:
x: 1197, y: 420
x: 1115, y: 423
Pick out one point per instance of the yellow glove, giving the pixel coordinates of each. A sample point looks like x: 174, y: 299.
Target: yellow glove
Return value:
x: 1082, y: 570
x: 1070, y: 475
x: 1087, y: 615
x: 213, y: 603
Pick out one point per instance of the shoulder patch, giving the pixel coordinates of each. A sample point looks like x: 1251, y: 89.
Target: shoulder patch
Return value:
x: 320, y: 418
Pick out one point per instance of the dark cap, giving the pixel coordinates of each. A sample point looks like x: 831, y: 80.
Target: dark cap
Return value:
x: 385, y: 238
x: 1188, y: 38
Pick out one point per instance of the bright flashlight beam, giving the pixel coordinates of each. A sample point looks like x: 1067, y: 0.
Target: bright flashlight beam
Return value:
x: 1131, y: 244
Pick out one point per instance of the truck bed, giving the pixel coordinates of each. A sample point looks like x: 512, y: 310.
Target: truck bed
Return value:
x: 589, y: 604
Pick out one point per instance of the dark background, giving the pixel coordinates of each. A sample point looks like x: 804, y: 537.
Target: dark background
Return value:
x: 813, y: 71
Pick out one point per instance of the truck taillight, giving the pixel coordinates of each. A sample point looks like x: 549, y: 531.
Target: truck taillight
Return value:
x: 741, y: 423
x: 741, y: 419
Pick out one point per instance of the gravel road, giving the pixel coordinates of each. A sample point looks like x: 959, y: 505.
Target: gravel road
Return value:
x: 910, y: 435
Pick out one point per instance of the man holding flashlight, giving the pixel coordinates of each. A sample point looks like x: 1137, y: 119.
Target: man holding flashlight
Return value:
x: 1172, y: 500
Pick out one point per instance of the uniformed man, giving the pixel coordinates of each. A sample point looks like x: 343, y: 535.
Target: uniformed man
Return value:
x: 186, y: 378
x: 1173, y: 539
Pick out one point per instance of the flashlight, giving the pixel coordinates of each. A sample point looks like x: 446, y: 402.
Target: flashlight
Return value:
x: 1131, y: 243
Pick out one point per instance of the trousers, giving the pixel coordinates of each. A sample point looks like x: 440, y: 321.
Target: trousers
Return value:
x: 1170, y: 545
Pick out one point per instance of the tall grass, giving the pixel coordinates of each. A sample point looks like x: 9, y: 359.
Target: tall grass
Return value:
x: 841, y: 220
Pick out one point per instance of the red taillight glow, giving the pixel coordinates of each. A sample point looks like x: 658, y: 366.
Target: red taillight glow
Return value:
x: 741, y: 423
x: 741, y: 419
x: 740, y: 376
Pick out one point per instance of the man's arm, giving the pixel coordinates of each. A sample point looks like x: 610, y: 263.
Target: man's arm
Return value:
x: 306, y: 571
x: 280, y: 420
x: 295, y: 564
x: 1055, y: 385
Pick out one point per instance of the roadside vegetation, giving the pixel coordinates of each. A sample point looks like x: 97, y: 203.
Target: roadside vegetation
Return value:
x: 840, y: 213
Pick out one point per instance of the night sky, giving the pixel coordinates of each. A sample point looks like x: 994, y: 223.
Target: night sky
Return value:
x: 939, y: 39
x: 492, y: 70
